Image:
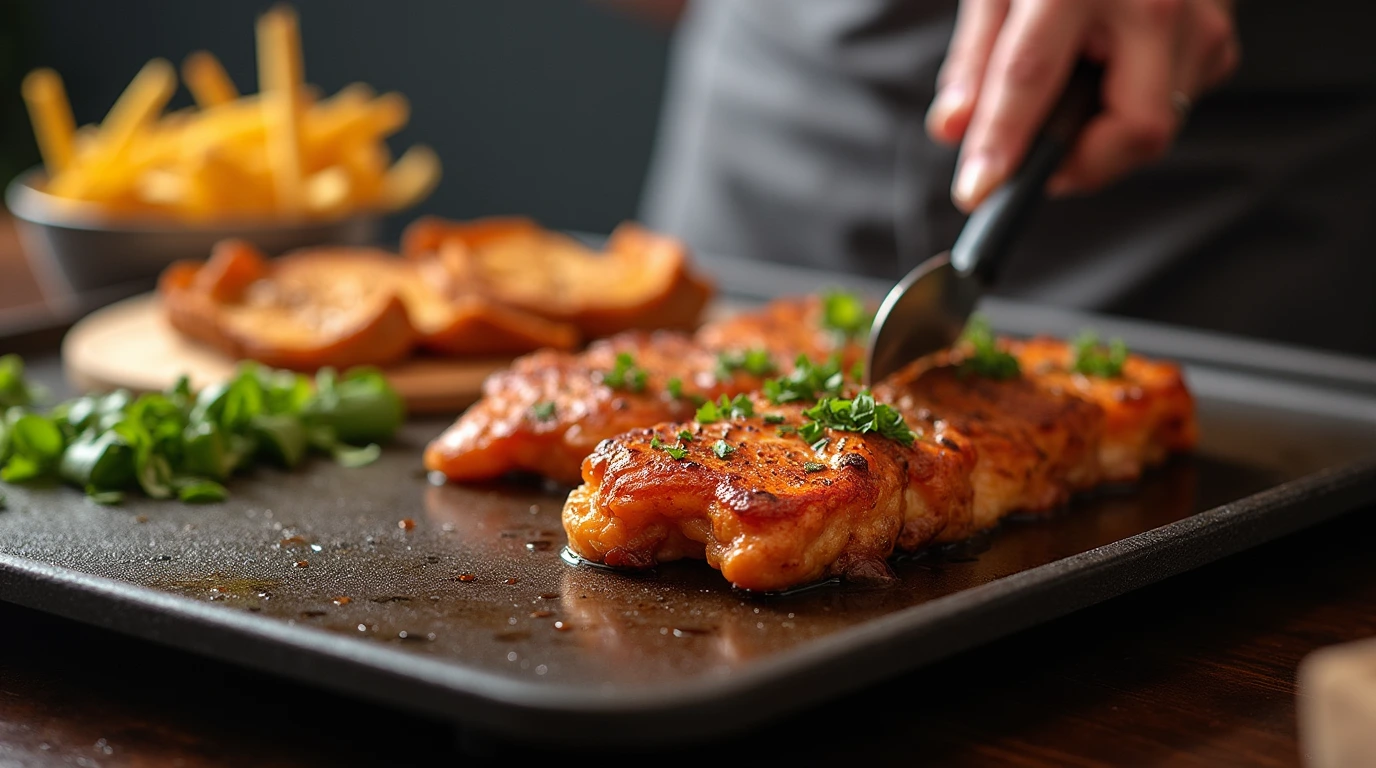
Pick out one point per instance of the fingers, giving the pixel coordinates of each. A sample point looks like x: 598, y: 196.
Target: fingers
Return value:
x: 1139, y: 118
x: 1163, y: 50
x: 1028, y: 67
x: 958, y: 83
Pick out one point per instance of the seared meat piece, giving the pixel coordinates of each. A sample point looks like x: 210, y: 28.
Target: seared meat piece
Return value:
x: 1148, y: 410
x: 1034, y: 447
x: 771, y: 512
x: 550, y: 409
x: 547, y: 411
x: 785, y: 327
x: 987, y: 446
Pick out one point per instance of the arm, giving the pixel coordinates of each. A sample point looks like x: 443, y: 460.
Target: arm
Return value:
x: 1009, y: 59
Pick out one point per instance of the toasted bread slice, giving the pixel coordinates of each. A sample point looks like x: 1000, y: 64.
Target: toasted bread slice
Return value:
x: 640, y: 281
x: 338, y: 306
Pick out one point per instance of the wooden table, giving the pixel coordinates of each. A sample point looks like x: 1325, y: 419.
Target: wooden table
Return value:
x: 1196, y: 671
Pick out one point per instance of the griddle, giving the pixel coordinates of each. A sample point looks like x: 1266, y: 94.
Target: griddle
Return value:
x: 458, y: 601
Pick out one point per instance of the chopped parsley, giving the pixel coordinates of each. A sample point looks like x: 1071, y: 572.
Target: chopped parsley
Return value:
x: 1095, y: 359
x: 738, y: 407
x: 806, y: 381
x: 845, y: 313
x: 674, y: 387
x: 812, y: 466
x: 543, y: 411
x: 756, y: 362
x: 860, y: 414
x: 985, y: 358
x: 625, y: 374
x: 722, y: 449
x: 685, y: 436
x: 785, y: 430
x: 773, y: 418
x: 676, y: 452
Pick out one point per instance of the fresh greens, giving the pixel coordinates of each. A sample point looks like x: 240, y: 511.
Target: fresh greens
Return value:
x: 14, y: 389
x: 984, y: 357
x: 625, y: 374
x: 756, y: 362
x: 723, y: 449
x: 674, y: 387
x: 676, y: 452
x: 738, y: 407
x: 177, y: 443
x: 1093, y: 358
x: 845, y: 313
x: 859, y: 414
x: 812, y: 466
x: 807, y: 381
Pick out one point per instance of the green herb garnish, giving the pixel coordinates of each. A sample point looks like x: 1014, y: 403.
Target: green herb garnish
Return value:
x: 1095, y: 359
x: 985, y: 358
x: 625, y: 374
x: 806, y: 382
x: 773, y: 418
x: 676, y: 452
x: 738, y: 407
x: 756, y: 362
x: 860, y: 414
x: 685, y: 436
x: 845, y: 313
x: 543, y: 411
x: 722, y: 449
x: 812, y: 466
x: 177, y: 443
x: 674, y: 387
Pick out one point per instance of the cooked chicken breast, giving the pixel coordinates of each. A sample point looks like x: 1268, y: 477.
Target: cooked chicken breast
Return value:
x: 548, y: 411
x: 1148, y: 410
x: 776, y: 513
x: 768, y: 510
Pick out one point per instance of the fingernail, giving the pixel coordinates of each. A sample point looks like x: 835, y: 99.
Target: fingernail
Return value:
x: 973, y: 181
x: 948, y: 100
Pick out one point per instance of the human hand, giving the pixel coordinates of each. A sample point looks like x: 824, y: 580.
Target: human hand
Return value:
x: 1009, y: 59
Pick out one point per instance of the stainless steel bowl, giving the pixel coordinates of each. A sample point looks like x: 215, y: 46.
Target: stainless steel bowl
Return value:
x: 78, y: 250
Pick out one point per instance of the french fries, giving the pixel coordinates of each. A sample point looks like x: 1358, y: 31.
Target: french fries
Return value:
x: 284, y: 153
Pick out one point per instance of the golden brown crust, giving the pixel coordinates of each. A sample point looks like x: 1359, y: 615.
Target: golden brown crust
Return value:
x: 787, y: 327
x: 986, y: 448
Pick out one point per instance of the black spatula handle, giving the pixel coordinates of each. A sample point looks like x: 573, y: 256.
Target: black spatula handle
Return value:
x: 991, y: 228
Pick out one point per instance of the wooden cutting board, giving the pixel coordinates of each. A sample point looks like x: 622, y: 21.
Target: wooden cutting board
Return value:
x: 129, y: 345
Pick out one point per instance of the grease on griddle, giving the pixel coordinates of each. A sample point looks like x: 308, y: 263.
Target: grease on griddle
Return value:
x: 467, y: 577
x: 406, y: 524
x: 342, y: 600
x: 541, y: 614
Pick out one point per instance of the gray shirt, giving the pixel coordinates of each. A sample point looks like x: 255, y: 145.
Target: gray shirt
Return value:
x: 792, y: 133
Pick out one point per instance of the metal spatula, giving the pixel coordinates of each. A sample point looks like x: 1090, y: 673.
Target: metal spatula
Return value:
x: 928, y: 309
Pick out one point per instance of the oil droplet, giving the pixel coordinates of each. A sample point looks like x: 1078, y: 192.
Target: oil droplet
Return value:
x: 467, y: 577
x: 512, y: 580
x: 541, y: 669
x: 362, y: 627
x: 563, y: 626
x: 316, y: 547
x: 550, y: 596
x: 406, y: 524
x: 291, y: 541
x: 342, y: 600
x: 539, y: 546
x: 512, y: 656
x: 534, y: 509
x: 303, y: 564
x: 541, y: 614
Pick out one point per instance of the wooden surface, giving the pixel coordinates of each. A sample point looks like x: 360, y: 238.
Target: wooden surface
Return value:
x: 128, y: 344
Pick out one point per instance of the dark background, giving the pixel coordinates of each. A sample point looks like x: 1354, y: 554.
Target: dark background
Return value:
x: 539, y: 107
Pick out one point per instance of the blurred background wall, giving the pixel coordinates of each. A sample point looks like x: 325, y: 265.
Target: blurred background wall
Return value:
x: 539, y: 107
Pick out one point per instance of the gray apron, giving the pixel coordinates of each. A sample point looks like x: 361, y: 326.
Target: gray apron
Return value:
x: 792, y: 133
